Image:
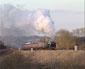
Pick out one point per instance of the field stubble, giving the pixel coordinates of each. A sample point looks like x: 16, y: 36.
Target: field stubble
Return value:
x: 45, y: 59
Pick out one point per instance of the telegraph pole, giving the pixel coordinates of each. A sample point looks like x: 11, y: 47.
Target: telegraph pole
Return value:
x: 84, y: 19
x: 1, y: 27
x: 1, y: 30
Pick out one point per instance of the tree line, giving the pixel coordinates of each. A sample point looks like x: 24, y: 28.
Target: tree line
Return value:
x: 67, y: 40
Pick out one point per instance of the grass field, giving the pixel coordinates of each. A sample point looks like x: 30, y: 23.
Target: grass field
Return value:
x: 45, y: 59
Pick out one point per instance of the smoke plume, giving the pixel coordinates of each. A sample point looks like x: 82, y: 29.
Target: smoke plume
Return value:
x: 22, y: 22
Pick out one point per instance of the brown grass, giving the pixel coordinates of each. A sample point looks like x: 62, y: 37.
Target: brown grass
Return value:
x: 45, y: 59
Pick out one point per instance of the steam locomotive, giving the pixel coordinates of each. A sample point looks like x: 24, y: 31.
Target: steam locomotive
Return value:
x: 40, y: 45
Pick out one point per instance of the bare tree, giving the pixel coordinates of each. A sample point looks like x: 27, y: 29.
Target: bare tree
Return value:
x: 80, y: 32
x: 64, y: 39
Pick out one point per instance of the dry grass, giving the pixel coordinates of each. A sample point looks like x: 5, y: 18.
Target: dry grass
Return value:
x: 62, y: 59
x: 45, y: 59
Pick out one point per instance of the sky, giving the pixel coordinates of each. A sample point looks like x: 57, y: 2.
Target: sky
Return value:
x: 66, y: 14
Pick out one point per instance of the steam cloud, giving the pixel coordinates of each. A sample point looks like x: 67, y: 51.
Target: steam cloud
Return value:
x: 17, y: 21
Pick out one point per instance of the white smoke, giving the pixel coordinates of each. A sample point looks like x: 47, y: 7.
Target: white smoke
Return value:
x: 23, y: 22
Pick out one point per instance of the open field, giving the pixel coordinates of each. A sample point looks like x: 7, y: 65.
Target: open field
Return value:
x: 45, y: 59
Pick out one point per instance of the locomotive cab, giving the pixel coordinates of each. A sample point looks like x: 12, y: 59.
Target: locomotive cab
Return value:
x: 52, y: 45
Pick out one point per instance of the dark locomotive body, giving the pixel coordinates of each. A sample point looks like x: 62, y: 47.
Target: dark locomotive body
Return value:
x: 52, y: 45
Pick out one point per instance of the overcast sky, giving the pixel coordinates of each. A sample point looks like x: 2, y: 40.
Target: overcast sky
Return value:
x: 66, y: 14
